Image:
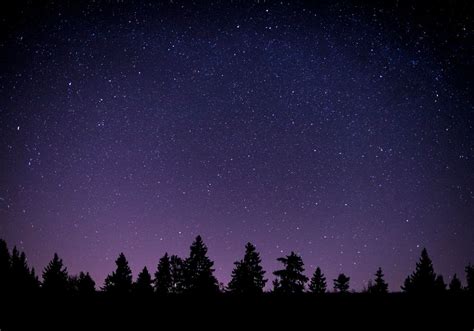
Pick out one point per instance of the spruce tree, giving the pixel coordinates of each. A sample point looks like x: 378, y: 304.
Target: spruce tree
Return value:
x: 290, y: 279
x: 22, y: 279
x: 341, y: 283
x: 85, y: 284
x: 120, y: 281
x: 177, y: 270
x: 55, y: 277
x: 379, y: 285
x: 440, y: 285
x: 423, y: 279
x: 199, y: 274
x: 143, y: 285
x: 455, y: 285
x: 163, y: 281
x: 248, y: 274
x: 318, y: 282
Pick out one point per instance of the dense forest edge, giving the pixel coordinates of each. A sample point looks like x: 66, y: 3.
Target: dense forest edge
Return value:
x: 189, y: 285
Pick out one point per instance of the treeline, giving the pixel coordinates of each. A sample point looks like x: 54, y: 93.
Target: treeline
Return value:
x: 195, y: 275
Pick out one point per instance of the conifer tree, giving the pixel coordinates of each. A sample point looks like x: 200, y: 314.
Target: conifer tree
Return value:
x: 248, y: 274
x: 163, y: 281
x: 290, y: 279
x: 143, y: 285
x: 120, y: 281
x: 455, y: 285
x: 341, y: 283
x: 199, y: 274
x: 379, y: 286
x: 55, y: 277
x: 318, y: 282
x: 423, y: 279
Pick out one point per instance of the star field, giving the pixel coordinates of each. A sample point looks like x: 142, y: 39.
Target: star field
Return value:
x: 340, y: 131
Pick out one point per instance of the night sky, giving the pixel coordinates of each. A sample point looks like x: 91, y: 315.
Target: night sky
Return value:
x: 338, y: 130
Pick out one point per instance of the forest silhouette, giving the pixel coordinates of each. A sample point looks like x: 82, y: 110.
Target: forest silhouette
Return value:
x: 188, y: 285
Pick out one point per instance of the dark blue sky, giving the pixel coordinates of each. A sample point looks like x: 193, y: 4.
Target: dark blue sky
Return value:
x: 341, y: 131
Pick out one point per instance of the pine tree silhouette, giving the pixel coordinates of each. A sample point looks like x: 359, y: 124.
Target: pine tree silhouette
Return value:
x: 22, y: 279
x: 55, y: 277
x: 318, y: 282
x: 440, y: 285
x: 455, y: 285
x: 120, y: 281
x: 470, y: 278
x: 163, y: 281
x: 143, y: 285
x: 199, y: 274
x: 85, y: 284
x: 5, y: 264
x: 291, y: 279
x: 379, y: 286
x: 423, y: 279
x: 341, y: 283
x: 177, y: 274
x: 248, y: 274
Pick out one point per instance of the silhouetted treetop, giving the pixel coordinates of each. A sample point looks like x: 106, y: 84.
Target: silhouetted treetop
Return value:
x: 379, y: 285
x: 470, y: 278
x: 290, y: 279
x: 120, y: 281
x: 199, y: 274
x: 55, y: 276
x: 455, y: 285
x: 248, y: 274
x: 143, y: 285
x: 318, y: 282
x: 341, y: 283
x: 423, y: 279
x: 163, y: 281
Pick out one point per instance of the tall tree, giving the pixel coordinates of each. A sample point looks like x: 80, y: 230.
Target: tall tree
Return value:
x: 199, y: 274
x: 143, y: 285
x: 423, y: 279
x: 290, y: 279
x: 22, y: 279
x: 177, y: 267
x: 248, y: 274
x: 120, y: 281
x: 318, y: 282
x: 163, y: 281
x: 5, y: 263
x: 379, y: 286
x: 440, y: 285
x: 85, y: 284
x: 455, y: 285
x: 470, y: 278
x: 55, y: 277
x: 341, y: 283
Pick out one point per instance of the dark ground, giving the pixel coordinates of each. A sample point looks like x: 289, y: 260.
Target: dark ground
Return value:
x: 223, y: 312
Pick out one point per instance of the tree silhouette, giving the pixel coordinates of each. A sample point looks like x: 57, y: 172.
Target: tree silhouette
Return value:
x: 440, y: 285
x: 22, y: 279
x: 120, y: 281
x: 379, y: 286
x: 455, y: 285
x: 143, y: 285
x: 290, y: 279
x: 55, y: 277
x: 85, y: 284
x: 341, y: 283
x: 5, y: 264
x: 423, y: 279
x: 163, y: 281
x: 199, y: 274
x: 248, y: 274
x: 177, y: 274
x: 318, y: 282
x: 470, y: 278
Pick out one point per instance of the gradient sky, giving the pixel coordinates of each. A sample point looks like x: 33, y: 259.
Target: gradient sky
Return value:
x: 343, y: 132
